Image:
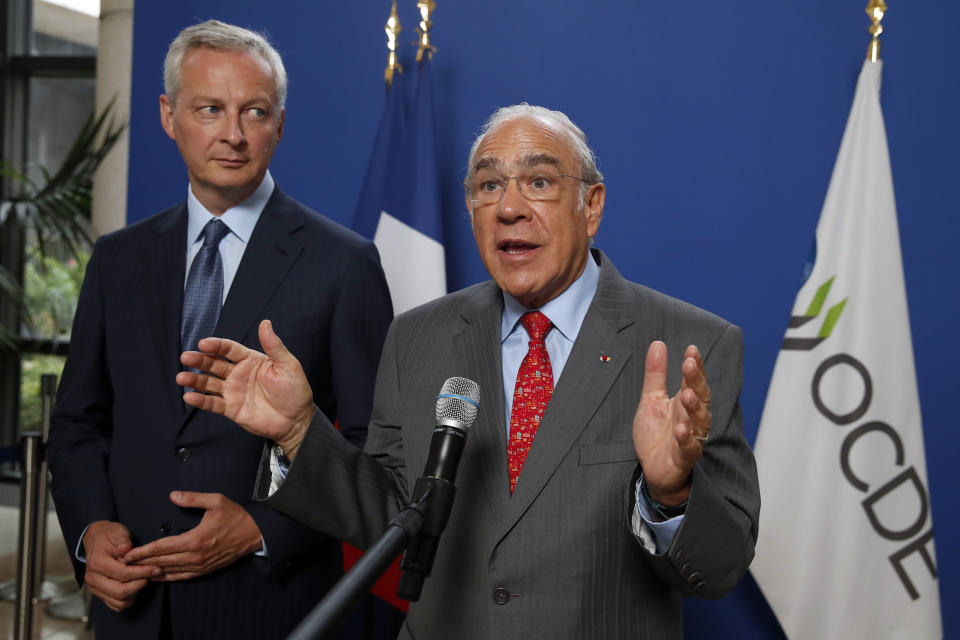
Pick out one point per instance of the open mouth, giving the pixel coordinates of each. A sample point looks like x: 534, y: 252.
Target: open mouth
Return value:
x: 515, y: 247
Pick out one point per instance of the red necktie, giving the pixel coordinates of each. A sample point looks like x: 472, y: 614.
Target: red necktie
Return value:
x: 531, y: 393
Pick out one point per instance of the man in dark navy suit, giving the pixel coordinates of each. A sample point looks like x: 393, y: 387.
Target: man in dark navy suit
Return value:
x: 155, y: 498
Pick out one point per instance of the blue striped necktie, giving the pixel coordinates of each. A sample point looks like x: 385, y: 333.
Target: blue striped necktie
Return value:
x: 203, y: 293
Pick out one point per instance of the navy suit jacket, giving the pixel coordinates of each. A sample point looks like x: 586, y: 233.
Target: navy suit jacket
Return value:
x: 122, y: 437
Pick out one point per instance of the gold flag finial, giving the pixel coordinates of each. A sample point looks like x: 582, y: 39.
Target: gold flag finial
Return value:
x: 393, y: 29
x: 426, y: 8
x: 875, y: 9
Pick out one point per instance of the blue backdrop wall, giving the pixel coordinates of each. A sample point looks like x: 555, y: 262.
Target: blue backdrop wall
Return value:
x: 716, y: 125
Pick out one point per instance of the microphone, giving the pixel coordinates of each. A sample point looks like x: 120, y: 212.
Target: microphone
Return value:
x: 457, y: 406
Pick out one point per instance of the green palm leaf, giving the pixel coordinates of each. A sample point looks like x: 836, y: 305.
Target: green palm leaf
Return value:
x: 60, y: 207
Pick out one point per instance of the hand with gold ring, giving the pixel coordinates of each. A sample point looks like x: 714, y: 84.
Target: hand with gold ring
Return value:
x: 669, y: 432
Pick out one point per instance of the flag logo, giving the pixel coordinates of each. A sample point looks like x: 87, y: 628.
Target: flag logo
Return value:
x: 816, y: 306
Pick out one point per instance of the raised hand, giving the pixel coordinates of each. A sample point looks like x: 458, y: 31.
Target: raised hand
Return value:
x: 668, y: 432
x: 266, y: 394
x: 108, y: 576
x: 225, y: 533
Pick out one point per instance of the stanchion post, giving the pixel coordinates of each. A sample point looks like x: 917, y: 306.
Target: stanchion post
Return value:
x: 48, y: 394
x: 31, y: 443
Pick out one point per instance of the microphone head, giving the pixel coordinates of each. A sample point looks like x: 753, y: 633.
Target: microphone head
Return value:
x: 458, y: 402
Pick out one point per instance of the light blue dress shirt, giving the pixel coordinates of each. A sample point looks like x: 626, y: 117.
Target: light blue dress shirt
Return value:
x: 240, y: 219
x: 566, y: 312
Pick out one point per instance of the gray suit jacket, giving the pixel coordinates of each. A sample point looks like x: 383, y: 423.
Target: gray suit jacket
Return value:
x: 561, y: 544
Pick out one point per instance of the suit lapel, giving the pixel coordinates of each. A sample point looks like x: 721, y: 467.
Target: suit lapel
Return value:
x: 273, y: 248
x: 475, y: 344
x: 599, y: 353
x: 163, y: 292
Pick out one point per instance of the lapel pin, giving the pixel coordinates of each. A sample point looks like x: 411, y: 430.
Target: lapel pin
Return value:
x: 604, y: 357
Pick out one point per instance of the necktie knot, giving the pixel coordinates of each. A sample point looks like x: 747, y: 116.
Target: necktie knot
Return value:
x: 214, y: 231
x: 537, y: 325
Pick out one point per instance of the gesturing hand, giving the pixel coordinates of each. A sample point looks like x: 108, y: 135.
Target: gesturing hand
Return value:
x: 107, y: 576
x: 225, y: 533
x: 668, y: 432
x: 266, y: 394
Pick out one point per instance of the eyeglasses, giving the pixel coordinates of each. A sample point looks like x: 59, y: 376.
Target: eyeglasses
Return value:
x: 539, y: 186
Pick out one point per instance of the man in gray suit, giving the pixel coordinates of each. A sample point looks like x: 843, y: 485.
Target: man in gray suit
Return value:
x: 589, y: 500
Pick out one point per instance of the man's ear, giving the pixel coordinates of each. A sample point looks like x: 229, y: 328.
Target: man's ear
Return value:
x: 593, y: 207
x: 166, y: 116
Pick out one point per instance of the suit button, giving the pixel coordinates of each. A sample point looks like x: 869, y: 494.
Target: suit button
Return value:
x: 501, y: 595
x: 693, y: 578
x: 165, y: 529
x: 183, y: 453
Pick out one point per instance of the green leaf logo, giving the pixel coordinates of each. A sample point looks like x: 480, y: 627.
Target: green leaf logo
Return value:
x: 816, y: 306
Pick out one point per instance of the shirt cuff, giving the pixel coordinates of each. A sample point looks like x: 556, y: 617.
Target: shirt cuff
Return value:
x: 279, y: 467
x: 80, y: 553
x: 656, y: 537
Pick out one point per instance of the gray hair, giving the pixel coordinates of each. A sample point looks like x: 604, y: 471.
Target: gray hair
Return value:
x: 557, y: 120
x: 220, y: 36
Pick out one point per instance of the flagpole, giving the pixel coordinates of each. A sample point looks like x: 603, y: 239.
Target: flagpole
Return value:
x: 875, y: 9
x: 426, y: 8
x: 392, y: 29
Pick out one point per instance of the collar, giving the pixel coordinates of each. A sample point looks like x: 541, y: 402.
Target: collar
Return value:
x: 240, y: 218
x: 566, y: 311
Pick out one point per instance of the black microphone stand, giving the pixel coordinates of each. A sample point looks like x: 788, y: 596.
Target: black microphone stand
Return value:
x: 417, y: 561
x: 417, y: 527
x: 329, y: 614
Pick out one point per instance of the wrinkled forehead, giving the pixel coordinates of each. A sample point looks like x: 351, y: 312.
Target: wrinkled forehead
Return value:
x: 522, y: 162
x: 524, y: 143
x: 203, y: 62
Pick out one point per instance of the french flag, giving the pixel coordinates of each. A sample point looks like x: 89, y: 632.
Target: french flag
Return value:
x: 399, y: 206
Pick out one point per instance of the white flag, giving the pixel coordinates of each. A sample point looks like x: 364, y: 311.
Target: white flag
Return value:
x: 846, y: 534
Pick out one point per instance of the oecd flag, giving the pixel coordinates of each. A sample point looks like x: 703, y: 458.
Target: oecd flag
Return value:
x: 846, y: 546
